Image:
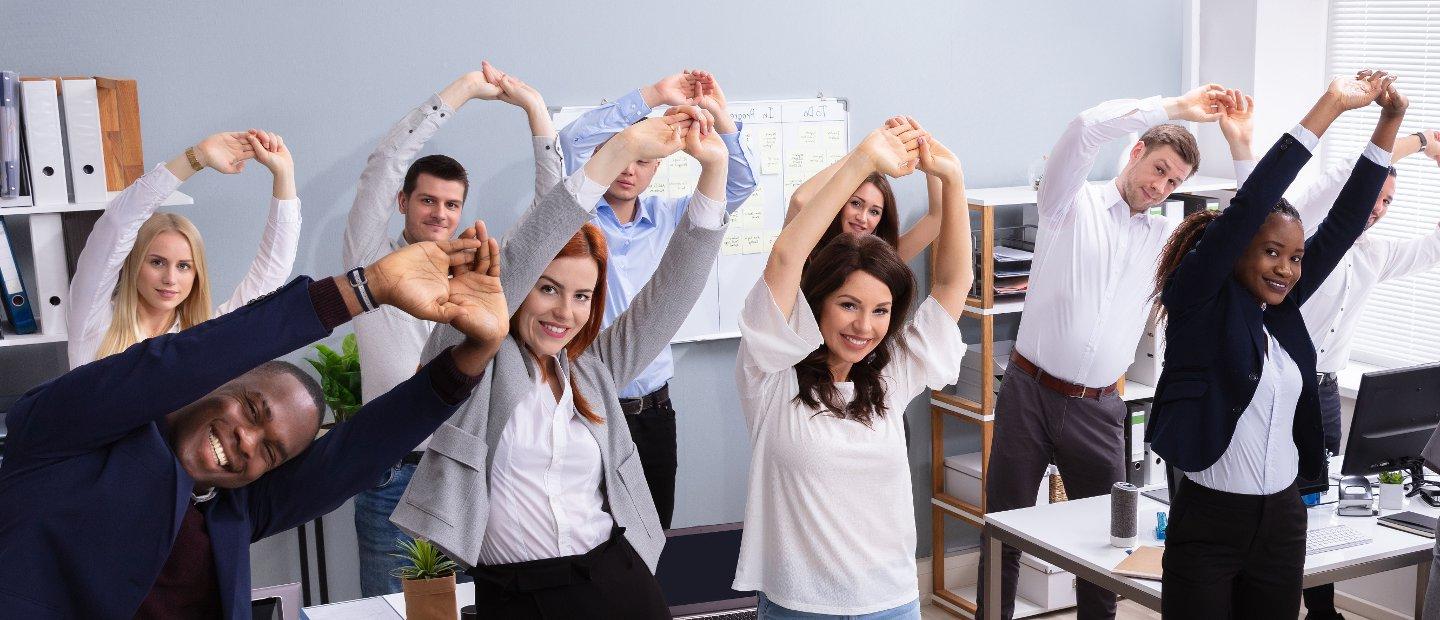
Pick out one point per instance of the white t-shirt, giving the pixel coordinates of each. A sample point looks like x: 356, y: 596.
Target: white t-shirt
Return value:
x: 829, y: 516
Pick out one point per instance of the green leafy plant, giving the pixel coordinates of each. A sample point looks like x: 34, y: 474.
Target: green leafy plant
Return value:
x: 425, y: 560
x: 340, y: 377
x: 1392, y: 477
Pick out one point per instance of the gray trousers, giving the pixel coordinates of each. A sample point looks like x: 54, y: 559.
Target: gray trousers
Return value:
x: 1034, y: 427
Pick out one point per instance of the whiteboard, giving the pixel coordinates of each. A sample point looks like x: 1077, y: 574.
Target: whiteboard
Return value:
x: 786, y: 141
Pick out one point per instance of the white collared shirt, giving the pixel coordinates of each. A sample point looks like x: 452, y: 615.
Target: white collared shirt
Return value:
x: 1333, y: 311
x: 1262, y: 458
x: 545, y: 499
x: 1094, y: 267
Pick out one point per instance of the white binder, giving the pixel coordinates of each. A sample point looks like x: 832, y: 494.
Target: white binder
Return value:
x: 44, y: 144
x: 84, y: 152
x: 52, y: 279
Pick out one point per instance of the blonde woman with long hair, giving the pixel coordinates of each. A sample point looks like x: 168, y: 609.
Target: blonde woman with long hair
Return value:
x: 143, y: 273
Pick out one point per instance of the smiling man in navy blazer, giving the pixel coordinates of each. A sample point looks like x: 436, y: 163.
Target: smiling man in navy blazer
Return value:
x: 134, y: 485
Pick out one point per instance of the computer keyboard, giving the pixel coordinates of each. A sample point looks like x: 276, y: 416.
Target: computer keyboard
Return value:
x: 1332, y: 538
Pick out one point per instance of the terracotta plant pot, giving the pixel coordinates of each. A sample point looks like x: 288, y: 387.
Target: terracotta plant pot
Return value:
x: 430, y: 599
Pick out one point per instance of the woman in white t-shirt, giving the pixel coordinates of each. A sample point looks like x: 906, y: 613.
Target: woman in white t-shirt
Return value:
x: 824, y: 382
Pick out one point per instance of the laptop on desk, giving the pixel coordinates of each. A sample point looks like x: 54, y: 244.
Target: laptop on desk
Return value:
x: 696, y: 570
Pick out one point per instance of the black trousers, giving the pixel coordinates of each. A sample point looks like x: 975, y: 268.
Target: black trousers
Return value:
x: 1034, y: 427
x: 1233, y: 556
x: 653, y: 430
x: 1320, y: 600
x: 610, y: 581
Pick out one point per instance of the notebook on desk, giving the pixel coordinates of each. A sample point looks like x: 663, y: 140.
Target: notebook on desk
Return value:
x: 1144, y: 563
x: 1412, y: 522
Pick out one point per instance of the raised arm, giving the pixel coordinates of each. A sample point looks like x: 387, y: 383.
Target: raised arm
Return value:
x: 891, y: 150
x: 329, y: 471
x: 94, y: 404
x: 98, y: 269
x: 365, y: 229
x: 645, y: 328
x: 954, y: 270
x: 1068, y: 167
x: 549, y: 168
x: 1346, y: 220
x: 1205, y: 269
x: 580, y: 138
x: 281, y: 240
x: 739, y: 178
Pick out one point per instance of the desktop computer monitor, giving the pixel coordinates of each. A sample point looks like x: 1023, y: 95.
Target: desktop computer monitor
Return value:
x: 1396, y: 411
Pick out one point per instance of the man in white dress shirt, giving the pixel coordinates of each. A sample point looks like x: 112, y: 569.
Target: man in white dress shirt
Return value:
x: 1333, y: 312
x: 1090, y: 285
x: 430, y: 193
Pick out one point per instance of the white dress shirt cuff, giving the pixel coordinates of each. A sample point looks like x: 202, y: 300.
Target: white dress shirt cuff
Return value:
x: 284, y: 210
x: 1243, y: 168
x: 1376, y: 154
x: 585, y: 191
x: 706, y: 212
x: 1306, y: 137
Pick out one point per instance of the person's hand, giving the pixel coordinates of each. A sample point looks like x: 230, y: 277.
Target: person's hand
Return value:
x: 415, y: 278
x: 226, y: 151
x: 1203, y: 104
x: 705, y: 146
x: 481, y: 86
x: 1237, y: 120
x: 708, y: 94
x: 269, y: 149
x: 893, y: 151
x: 697, y: 116
x: 655, y: 138
x: 934, y: 159
x: 476, y: 305
x: 513, y: 90
x: 1392, y: 102
x: 674, y: 89
x: 1359, y: 91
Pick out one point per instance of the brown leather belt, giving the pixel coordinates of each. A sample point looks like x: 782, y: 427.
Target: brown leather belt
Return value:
x: 1058, y: 385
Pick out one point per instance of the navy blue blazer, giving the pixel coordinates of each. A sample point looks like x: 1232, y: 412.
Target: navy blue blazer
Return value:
x: 91, y: 495
x: 1214, y: 343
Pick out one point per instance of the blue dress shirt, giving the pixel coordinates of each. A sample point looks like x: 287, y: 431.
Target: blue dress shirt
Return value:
x: 636, y: 247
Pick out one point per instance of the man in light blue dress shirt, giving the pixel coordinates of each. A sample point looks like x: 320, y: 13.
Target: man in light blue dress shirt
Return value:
x: 637, y: 230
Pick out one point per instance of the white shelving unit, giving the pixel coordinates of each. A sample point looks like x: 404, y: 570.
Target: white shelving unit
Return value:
x: 48, y: 284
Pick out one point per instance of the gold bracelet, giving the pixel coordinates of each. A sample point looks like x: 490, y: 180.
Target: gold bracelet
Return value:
x: 194, y: 163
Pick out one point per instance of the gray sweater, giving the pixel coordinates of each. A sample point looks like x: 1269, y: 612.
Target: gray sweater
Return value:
x: 447, y: 500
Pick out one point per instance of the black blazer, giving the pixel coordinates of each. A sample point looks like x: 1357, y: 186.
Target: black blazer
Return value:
x: 1214, y: 346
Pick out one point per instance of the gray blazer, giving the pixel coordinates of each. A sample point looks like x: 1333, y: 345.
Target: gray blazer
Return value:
x: 447, y: 500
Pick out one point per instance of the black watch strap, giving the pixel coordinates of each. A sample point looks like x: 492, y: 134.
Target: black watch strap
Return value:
x: 1423, y: 139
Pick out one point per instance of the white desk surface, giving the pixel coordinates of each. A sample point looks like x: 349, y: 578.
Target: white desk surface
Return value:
x: 388, y: 607
x: 1085, y: 537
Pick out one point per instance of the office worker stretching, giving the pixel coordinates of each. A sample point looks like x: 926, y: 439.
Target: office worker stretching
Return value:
x: 535, y: 484
x: 637, y: 230
x: 1088, y: 302
x: 828, y: 361
x: 1236, y: 407
x: 142, y: 273
x: 430, y: 194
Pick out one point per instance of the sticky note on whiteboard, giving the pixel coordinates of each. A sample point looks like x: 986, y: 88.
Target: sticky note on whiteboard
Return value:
x: 809, y: 136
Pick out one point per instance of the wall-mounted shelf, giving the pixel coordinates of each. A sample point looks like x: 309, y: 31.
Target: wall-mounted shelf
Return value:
x: 22, y: 205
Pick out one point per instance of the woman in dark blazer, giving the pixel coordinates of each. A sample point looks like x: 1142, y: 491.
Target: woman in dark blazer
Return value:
x: 1236, y: 408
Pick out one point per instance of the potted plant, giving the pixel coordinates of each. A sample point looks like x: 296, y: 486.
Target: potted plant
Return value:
x: 340, y: 377
x: 1392, y: 490
x: 428, y: 580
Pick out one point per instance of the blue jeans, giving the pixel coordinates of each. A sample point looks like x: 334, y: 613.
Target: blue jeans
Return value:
x: 376, y: 535
x: 768, y: 610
